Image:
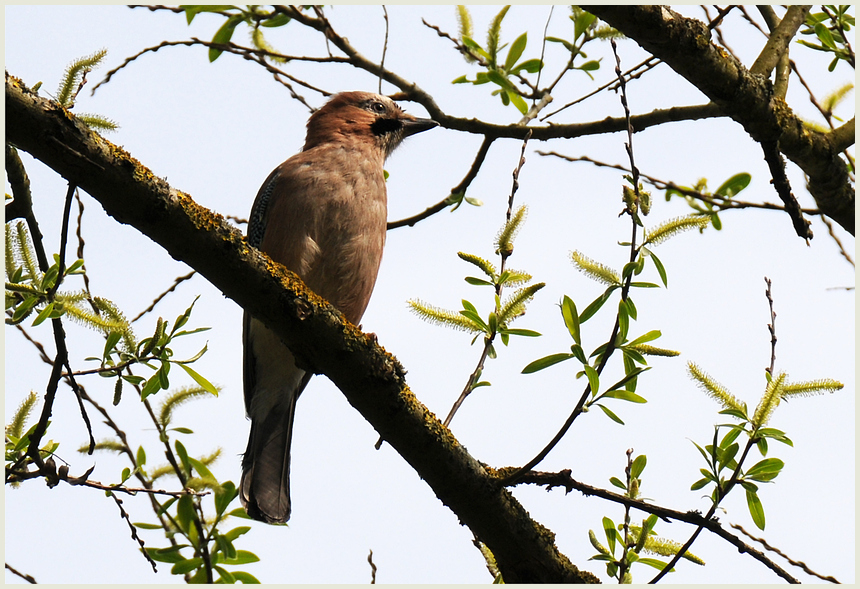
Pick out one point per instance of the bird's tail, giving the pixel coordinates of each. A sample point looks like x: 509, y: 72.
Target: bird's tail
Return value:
x: 265, y: 487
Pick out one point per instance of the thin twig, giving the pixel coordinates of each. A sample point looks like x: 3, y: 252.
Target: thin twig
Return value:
x: 610, y: 344
x: 372, y: 568
x: 783, y: 188
x: 722, y: 203
x: 841, y: 247
x: 133, y: 529
x: 630, y: 74
x: 488, y: 341
x: 771, y: 327
x: 384, y: 50
x: 563, y: 479
x: 457, y: 190
x: 179, y: 280
x: 797, y: 563
x: 24, y: 576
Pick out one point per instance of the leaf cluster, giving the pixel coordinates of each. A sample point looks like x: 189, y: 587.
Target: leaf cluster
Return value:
x: 497, y: 71
x: 707, y: 203
x: 252, y: 15
x: 829, y: 28
x: 724, y: 470
x: 633, y: 540
x: 185, y: 519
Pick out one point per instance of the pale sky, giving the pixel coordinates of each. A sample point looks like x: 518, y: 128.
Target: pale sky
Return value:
x: 216, y: 130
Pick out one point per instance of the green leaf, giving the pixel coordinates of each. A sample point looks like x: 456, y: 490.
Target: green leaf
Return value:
x: 532, y: 66
x: 183, y: 456
x: 623, y: 319
x: 186, y: 566
x: 648, y: 337
x: 615, y: 481
x: 825, y: 36
x: 660, y: 269
x: 775, y: 434
x: 224, y: 575
x: 223, y: 36
x: 523, y: 332
x: 201, y: 468
x: 765, y: 470
x: 185, y: 513
x: 518, y: 101
x: 224, y: 495
x: 477, y: 281
x: 593, y: 378
x: 581, y: 23
x: 192, y: 10
x: 243, y: 557
x: 726, y: 456
x: 589, y: 66
x: 141, y: 456
x: 638, y: 466
x: 152, y: 386
x: 731, y: 436
x: 624, y: 396
x: 500, y: 79
x: 595, y: 305
x: 571, y: 318
x: 168, y: 555
x: 146, y: 526
x: 611, y: 415
x: 236, y: 532
x: 516, y: 51
x: 577, y: 351
x: 699, y: 484
x: 734, y: 185
x: 246, y: 578
x: 611, y: 533
x: 207, y: 386
x: 546, y: 362
x: 653, y: 562
x: 43, y: 314
x: 278, y: 20
x: 756, y: 509
x: 567, y: 44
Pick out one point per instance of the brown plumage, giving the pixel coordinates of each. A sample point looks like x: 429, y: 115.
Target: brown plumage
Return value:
x: 322, y: 214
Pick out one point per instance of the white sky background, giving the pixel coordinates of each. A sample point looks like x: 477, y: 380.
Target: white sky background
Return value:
x: 217, y: 130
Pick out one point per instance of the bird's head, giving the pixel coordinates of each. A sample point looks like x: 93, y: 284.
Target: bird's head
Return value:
x: 365, y: 118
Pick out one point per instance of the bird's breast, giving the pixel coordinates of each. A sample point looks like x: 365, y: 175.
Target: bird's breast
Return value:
x: 327, y: 222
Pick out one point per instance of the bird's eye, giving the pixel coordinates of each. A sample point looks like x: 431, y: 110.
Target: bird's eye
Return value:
x: 377, y: 107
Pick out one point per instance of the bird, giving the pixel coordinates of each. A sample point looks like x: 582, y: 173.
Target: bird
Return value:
x: 322, y: 214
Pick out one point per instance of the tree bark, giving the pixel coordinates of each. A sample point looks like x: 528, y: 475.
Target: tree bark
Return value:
x: 685, y: 45
x: 371, y: 379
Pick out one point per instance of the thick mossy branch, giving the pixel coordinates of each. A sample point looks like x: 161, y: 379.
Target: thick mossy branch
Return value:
x: 371, y: 379
x: 685, y: 45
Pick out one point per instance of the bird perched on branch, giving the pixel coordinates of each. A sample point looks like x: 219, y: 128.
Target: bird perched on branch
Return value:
x: 322, y: 214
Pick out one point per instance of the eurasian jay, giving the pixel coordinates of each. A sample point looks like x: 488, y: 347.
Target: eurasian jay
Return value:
x: 322, y: 214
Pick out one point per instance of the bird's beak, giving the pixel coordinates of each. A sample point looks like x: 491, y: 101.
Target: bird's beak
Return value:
x: 413, y: 125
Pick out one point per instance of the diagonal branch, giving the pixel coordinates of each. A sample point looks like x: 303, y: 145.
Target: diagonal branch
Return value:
x: 371, y: 379
x: 685, y: 45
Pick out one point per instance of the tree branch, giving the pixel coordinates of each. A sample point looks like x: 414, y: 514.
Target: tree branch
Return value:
x: 684, y: 44
x: 322, y: 341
